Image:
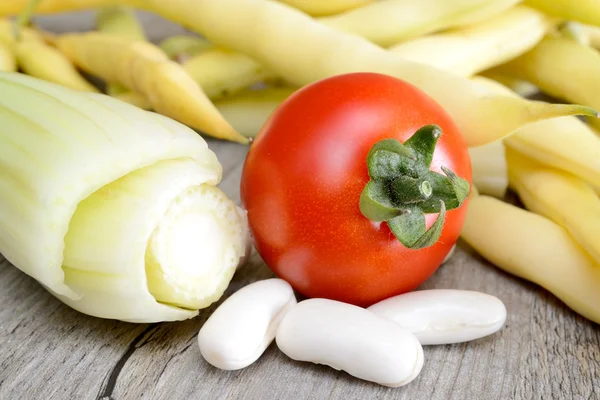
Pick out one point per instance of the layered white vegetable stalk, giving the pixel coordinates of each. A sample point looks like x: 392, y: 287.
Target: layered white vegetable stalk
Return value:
x: 113, y: 209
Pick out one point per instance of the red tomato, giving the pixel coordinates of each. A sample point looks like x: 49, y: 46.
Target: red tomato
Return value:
x: 304, y: 175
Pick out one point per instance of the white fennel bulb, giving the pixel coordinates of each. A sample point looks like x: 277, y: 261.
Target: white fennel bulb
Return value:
x: 113, y: 209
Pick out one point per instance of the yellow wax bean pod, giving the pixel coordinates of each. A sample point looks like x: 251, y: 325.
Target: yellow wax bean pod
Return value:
x: 534, y: 248
x: 248, y: 111
x: 48, y: 37
x: 559, y: 196
x: 387, y: 22
x: 565, y: 143
x: 313, y: 7
x: 588, y: 35
x: 133, y: 98
x: 220, y: 72
x: 475, y: 48
x: 37, y: 59
x: 180, y: 46
x: 15, y: 7
x: 328, y: 7
x: 587, y: 11
x: 124, y: 94
x: 571, y: 30
x: 519, y: 86
x: 489, y: 168
x: 592, y: 34
x: 306, y: 51
x: 7, y: 33
x: 120, y: 21
x: 7, y: 58
x: 562, y: 68
x: 144, y: 68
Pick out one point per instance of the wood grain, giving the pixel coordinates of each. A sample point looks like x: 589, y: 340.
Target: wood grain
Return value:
x: 48, y: 351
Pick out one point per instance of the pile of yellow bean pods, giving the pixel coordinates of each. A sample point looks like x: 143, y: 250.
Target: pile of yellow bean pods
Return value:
x: 480, y: 59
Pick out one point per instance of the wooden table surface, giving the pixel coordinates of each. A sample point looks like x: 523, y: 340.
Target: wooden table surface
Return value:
x: 49, y: 351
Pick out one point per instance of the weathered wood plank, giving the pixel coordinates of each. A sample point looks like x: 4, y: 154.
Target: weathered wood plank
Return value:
x: 49, y: 350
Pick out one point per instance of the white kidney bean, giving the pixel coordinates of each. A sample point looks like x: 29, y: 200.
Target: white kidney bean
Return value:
x: 350, y: 338
x: 242, y: 328
x: 444, y: 316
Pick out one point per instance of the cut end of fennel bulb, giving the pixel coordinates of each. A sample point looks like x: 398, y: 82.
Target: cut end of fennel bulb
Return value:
x: 195, y: 249
x: 156, y: 245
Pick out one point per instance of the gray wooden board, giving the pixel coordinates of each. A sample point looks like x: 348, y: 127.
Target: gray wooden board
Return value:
x: 49, y: 351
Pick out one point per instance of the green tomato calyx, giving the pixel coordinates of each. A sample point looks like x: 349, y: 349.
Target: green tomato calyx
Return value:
x: 402, y: 188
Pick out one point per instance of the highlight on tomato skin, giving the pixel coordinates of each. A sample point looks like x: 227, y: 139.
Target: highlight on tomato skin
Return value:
x: 307, y: 177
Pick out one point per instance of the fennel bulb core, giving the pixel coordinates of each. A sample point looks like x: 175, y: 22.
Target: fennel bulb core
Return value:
x: 194, y: 249
x: 194, y: 245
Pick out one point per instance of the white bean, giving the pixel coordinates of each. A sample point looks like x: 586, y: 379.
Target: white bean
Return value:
x: 242, y: 328
x: 350, y: 338
x: 444, y: 316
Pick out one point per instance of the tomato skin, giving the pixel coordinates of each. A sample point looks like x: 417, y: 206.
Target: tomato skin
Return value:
x: 303, y: 178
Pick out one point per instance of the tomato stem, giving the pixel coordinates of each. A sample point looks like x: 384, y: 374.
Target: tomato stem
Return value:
x: 402, y: 188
